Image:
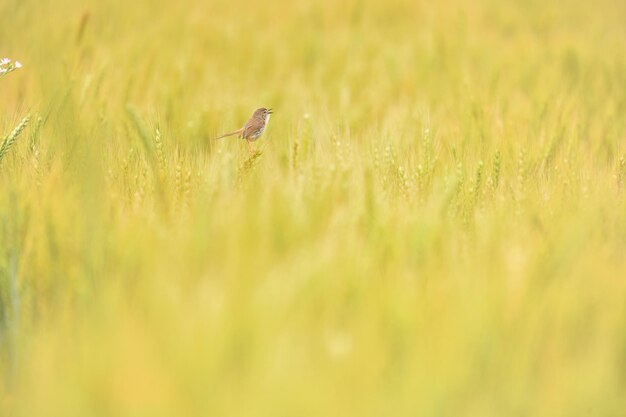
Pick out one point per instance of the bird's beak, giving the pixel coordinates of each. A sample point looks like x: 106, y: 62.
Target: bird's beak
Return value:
x: 270, y: 111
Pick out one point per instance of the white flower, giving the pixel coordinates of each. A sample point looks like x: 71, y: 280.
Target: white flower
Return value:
x: 6, y: 66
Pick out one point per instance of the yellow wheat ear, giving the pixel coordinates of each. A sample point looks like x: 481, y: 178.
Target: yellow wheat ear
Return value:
x: 248, y: 165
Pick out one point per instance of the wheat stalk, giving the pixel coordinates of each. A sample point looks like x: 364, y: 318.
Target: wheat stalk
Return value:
x: 10, y: 139
x: 158, y: 147
x: 248, y: 164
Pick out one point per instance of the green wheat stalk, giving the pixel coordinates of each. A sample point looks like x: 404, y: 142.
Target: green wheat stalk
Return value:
x: 10, y: 139
x: 141, y: 129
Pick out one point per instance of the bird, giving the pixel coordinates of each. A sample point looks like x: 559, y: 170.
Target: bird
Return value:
x: 254, y: 127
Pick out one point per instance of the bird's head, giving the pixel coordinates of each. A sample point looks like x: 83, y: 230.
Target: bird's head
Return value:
x: 263, y: 112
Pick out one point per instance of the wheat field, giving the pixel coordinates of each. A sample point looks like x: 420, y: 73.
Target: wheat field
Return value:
x: 433, y: 224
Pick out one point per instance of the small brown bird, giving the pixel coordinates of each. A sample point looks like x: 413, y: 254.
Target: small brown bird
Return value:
x: 254, y: 127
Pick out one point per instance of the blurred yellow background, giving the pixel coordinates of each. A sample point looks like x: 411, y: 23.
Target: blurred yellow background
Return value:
x: 434, y: 224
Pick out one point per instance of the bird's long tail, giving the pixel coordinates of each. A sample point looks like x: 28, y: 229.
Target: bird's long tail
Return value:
x: 236, y: 132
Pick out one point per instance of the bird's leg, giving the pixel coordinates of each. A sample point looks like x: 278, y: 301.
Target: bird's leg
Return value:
x: 249, y: 146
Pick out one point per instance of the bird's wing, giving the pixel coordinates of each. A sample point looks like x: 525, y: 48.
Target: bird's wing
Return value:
x: 253, y: 125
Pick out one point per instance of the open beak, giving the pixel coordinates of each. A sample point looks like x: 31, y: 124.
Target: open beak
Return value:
x: 270, y: 111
